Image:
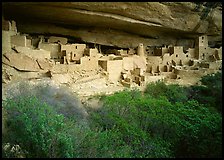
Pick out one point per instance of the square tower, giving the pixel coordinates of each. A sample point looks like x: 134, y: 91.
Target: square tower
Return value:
x: 201, y: 47
x: 203, y: 41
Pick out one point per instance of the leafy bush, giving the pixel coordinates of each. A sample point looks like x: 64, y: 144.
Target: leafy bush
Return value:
x: 165, y: 121
x: 41, y: 132
x: 151, y: 125
x: 62, y: 98
x: 173, y: 92
x: 36, y: 128
x: 129, y: 114
x: 200, y: 133
x: 210, y: 93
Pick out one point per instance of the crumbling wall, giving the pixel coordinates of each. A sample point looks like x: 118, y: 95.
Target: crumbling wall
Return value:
x: 6, y: 42
x: 29, y: 43
x: 161, y: 51
x: 54, y: 49
x: 91, y: 52
x: 139, y: 62
x: 35, y: 41
x: 18, y: 40
x: 114, y: 68
x: 128, y: 63
x: 192, y: 53
x: 77, y: 50
x: 89, y: 63
x: 153, y: 64
x: 218, y: 53
x: 166, y: 59
x: 217, y: 65
x: 178, y: 56
x: 205, y: 53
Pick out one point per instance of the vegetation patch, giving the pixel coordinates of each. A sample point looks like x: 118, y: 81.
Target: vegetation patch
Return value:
x: 165, y: 121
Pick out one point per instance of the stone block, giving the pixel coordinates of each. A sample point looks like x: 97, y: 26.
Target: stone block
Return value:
x: 6, y: 25
x: 114, y: 68
x: 103, y: 64
x: 53, y: 48
x: 128, y: 63
x: 35, y: 42
x: 18, y: 40
x: 77, y: 50
x: 139, y: 62
x: 89, y: 63
x: 6, y: 41
x: 13, y: 24
x: 138, y: 71
x: 126, y: 84
x: 28, y: 43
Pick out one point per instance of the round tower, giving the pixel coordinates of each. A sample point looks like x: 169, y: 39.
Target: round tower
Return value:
x: 140, y: 50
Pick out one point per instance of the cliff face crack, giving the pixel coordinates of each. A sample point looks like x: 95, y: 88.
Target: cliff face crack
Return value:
x: 75, y: 15
x: 108, y: 14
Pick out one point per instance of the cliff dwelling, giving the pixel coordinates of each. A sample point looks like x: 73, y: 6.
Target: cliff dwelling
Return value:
x: 91, y: 59
x: 112, y: 80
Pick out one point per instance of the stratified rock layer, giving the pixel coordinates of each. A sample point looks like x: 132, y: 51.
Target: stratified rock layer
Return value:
x: 122, y: 24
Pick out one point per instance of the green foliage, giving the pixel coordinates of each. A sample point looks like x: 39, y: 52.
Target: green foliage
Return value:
x: 62, y: 99
x: 199, y: 131
x: 184, y: 127
x: 131, y: 115
x: 211, y: 91
x: 102, y: 144
x: 166, y: 121
x: 174, y: 92
x: 36, y: 128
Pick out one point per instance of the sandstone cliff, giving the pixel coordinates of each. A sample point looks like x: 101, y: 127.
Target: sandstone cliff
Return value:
x: 122, y: 24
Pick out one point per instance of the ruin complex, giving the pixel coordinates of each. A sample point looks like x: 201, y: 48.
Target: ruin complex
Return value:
x: 54, y: 57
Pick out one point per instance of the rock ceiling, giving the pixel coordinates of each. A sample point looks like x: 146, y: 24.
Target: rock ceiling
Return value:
x: 122, y: 24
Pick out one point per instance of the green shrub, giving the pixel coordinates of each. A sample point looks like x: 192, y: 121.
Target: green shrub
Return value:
x: 200, y: 131
x: 130, y: 114
x: 167, y: 121
x: 210, y: 93
x: 36, y: 128
x: 62, y: 98
x: 102, y: 144
x: 173, y: 92
x: 149, y: 125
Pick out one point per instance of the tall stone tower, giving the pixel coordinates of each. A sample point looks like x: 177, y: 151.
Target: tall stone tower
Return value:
x: 140, y: 50
x: 201, y: 47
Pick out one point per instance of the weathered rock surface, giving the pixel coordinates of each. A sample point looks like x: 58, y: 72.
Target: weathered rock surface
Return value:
x: 34, y: 53
x: 121, y: 23
x: 44, y: 64
x: 20, y: 62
